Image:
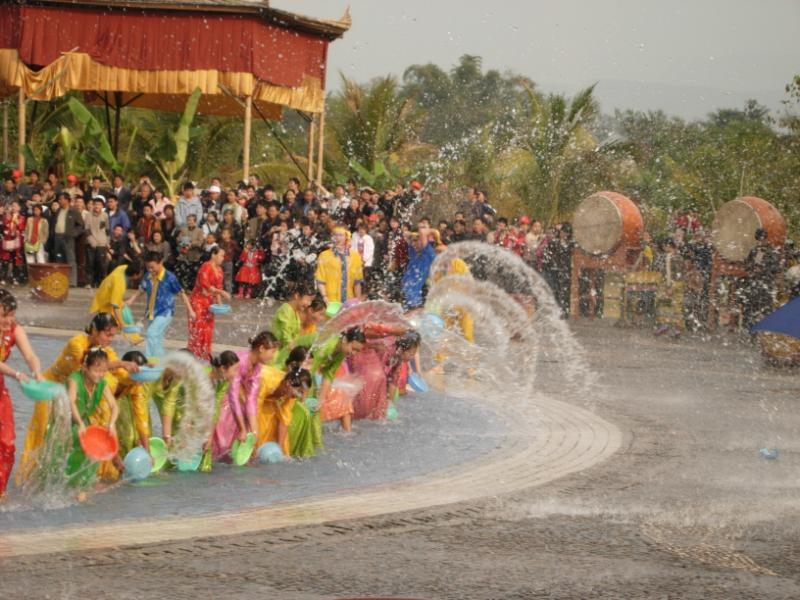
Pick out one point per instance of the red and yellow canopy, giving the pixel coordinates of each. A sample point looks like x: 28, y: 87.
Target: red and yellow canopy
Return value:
x: 156, y: 53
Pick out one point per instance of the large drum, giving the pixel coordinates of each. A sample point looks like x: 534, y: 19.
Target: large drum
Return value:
x: 734, y: 228
x: 605, y: 220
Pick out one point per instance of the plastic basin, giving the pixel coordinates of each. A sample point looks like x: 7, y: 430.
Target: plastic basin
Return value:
x: 417, y: 383
x: 333, y: 308
x: 41, y: 390
x: 147, y: 374
x: 242, y: 451
x: 127, y: 315
x: 98, y: 443
x: 158, y: 450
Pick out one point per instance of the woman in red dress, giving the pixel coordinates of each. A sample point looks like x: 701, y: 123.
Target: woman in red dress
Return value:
x: 12, y: 252
x: 208, y: 290
x: 11, y: 335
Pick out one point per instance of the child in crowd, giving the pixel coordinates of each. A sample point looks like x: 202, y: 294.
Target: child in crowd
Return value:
x: 249, y: 274
x: 232, y: 252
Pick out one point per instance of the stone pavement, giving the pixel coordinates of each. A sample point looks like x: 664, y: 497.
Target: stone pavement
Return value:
x: 246, y: 318
x: 686, y: 508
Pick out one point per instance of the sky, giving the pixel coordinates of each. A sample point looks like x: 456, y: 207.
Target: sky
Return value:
x: 687, y: 57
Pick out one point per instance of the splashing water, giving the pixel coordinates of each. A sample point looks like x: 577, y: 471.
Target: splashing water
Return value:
x: 197, y: 418
x: 517, y: 324
x: 48, y: 485
x: 372, y: 312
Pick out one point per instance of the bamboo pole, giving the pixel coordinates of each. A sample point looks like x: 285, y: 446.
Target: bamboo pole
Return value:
x: 312, y: 126
x: 21, y: 129
x: 248, y: 124
x: 320, y: 147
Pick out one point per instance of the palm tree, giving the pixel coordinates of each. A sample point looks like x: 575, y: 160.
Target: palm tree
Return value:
x: 370, y: 124
x: 557, y: 137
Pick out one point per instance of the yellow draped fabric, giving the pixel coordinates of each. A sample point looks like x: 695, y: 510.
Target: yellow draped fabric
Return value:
x: 161, y: 90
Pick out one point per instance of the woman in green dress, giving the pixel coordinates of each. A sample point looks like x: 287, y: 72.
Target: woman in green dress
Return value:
x: 305, y: 430
x: 85, y: 389
x: 287, y: 324
x: 167, y: 392
x: 329, y: 362
x: 221, y: 372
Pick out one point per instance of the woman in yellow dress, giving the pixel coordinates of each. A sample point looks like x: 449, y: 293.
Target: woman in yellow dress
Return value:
x: 457, y: 317
x: 99, y: 334
x: 133, y: 424
x: 340, y: 272
x: 270, y: 412
x: 278, y: 408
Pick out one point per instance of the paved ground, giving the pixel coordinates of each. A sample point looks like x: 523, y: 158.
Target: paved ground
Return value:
x: 247, y: 317
x: 368, y: 457
x: 685, y: 509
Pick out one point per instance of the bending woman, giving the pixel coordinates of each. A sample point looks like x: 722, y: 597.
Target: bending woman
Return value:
x: 279, y: 407
x: 287, y: 324
x: 329, y: 363
x: 11, y: 335
x: 238, y: 415
x: 222, y: 373
x: 100, y: 333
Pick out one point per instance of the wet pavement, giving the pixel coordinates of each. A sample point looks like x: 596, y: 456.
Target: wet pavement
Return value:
x: 374, y: 453
x: 686, y: 508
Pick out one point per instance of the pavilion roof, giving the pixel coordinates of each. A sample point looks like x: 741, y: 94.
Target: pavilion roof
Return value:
x: 329, y: 28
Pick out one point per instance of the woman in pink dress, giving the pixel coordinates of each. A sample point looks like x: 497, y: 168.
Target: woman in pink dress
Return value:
x: 208, y: 289
x: 381, y: 366
x: 238, y: 415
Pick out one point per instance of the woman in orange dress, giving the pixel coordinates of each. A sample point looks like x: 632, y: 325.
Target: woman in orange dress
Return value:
x: 208, y: 289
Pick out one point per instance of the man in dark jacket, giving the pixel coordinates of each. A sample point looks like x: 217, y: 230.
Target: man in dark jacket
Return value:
x: 69, y: 225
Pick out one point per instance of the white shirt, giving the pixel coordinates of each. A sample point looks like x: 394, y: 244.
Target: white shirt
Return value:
x: 365, y: 247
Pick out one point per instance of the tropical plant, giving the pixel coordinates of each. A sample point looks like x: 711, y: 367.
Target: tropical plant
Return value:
x: 556, y: 138
x: 73, y: 135
x: 369, y: 124
x: 168, y: 156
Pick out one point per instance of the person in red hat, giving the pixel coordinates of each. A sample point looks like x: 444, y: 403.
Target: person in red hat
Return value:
x: 73, y: 189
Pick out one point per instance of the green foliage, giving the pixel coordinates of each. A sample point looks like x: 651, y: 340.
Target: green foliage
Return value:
x: 169, y: 154
x: 369, y: 125
x: 458, y: 127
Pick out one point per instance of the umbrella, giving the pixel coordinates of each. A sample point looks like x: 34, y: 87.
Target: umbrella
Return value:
x: 785, y: 320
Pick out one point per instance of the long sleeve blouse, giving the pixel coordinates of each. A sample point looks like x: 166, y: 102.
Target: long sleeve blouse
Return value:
x: 243, y: 393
